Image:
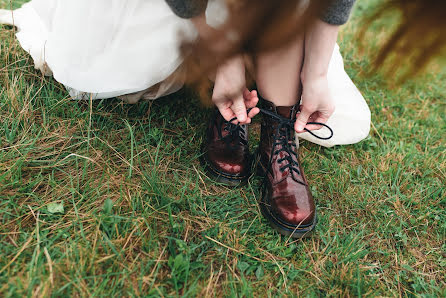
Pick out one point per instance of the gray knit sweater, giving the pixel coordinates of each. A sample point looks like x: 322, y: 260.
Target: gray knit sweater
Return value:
x: 337, y: 14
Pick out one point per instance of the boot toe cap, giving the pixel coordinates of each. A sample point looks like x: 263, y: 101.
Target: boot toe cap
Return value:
x: 229, y: 167
x: 291, y: 213
x: 232, y: 164
x: 297, y: 218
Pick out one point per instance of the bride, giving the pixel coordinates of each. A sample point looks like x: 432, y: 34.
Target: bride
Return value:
x: 131, y: 49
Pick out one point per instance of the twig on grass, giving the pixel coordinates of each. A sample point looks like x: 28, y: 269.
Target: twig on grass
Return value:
x: 50, y: 265
x: 19, y: 253
x: 235, y: 250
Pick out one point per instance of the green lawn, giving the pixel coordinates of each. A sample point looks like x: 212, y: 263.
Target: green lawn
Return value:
x: 141, y: 218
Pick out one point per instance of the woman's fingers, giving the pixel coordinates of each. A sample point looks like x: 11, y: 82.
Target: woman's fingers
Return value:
x: 302, y: 119
x: 253, y: 112
x: 227, y: 113
x: 313, y: 126
x: 239, y: 109
x: 316, y: 117
x: 251, y: 98
x: 246, y: 94
x: 251, y: 101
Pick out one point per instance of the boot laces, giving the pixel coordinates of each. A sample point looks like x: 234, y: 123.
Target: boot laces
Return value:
x: 236, y: 133
x: 284, y: 141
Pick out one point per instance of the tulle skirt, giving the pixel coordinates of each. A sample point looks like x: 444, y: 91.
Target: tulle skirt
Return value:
x: 105, y: 48
x: 130, y: 49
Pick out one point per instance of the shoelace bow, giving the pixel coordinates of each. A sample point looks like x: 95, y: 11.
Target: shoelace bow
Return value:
x: 284, y: 137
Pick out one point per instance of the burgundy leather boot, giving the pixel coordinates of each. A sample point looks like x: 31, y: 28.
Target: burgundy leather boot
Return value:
x: 286, y: 199
x: 226, y: 156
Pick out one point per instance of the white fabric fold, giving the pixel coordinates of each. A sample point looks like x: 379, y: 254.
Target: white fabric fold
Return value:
x: 125, y: 48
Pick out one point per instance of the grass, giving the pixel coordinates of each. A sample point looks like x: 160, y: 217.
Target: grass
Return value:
x: 141, y: 218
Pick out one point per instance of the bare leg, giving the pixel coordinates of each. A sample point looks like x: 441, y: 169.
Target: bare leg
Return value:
x: 278, y: 73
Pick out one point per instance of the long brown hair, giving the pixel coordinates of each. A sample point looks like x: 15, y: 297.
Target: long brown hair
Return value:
x: 264, y: 25
x: 253, y: 27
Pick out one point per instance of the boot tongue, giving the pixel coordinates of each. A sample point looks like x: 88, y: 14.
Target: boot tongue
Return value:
x: 286, y: 112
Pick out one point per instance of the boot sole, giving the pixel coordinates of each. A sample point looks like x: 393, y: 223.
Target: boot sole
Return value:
x: 223, y: 178
x: 283, y: 228
x: 296, y: 232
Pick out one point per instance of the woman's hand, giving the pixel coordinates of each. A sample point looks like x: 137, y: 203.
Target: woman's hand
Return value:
x: 230, y: 94
x: 317, y: 104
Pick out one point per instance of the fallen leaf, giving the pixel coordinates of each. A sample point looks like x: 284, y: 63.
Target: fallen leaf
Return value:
x: 55, y: 208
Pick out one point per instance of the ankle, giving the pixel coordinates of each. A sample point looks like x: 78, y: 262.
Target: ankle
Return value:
x: 288, y: 112
x: 279, y: 100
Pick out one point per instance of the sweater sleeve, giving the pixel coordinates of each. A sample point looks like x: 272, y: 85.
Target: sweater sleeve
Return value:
x: 187, y: 8
x: 338, y: 12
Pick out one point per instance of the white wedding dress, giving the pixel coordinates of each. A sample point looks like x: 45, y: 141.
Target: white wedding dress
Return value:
x: 114, y: 48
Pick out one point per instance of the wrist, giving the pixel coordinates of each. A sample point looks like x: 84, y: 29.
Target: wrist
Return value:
x: 309, y: 77
x: 233, y: 70
x: 230, y: 80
